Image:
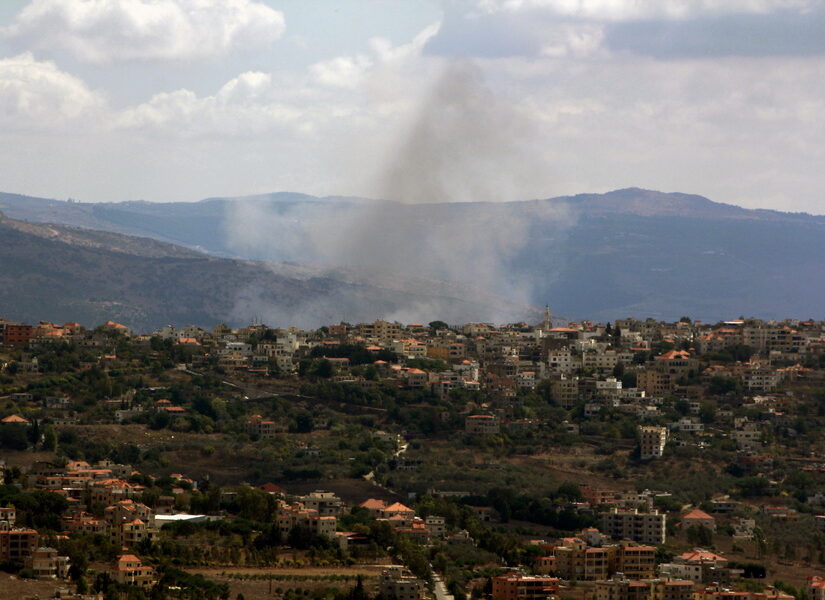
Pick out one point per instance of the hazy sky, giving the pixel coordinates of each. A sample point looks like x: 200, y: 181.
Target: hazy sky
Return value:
x: 166, y: 100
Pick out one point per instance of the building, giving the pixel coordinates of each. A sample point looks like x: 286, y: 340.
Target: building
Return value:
x: 297, y: 515
x: 642, y: 527
x: 482, y: 425
x: 565, y: 391
x: 816, y: 587
x: 717, y: 592
x: 46, y: 564
x: 397, y: 582
x: 17, y: 335
x: 699, y: 517
x: 523, y: 587
x: 8, y: 517
x: 380, y: 330
x: 576, y: 561
x: 130, y: 570
x: 325, y: 504
x: 699, y: 566
x: 624, y: 589
x: 17, y: 544
x: 652, y: 441
x: 261, y: 428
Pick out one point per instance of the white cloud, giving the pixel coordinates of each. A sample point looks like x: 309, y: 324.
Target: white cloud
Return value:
x: 245, y: 106
x: 104, y: 31
x: 38, y: 95
x: 252, y: 104
x: 350, y: 71
x: 618, y: 10
x: 341, y: 71
x: 385, y: 51
x: 575, y: 40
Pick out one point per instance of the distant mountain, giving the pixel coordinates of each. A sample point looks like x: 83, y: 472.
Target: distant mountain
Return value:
x: 630, y: 252
x: 60, y: 273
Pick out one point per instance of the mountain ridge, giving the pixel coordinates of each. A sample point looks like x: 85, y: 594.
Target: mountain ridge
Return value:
x: 630, y: 252
x: 58, y: 273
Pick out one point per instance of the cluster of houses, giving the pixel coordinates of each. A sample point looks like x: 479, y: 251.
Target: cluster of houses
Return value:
x: 599, y: 367
x: 620, y: 557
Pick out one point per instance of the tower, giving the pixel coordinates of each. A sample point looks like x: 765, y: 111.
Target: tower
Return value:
x: 548, y: 324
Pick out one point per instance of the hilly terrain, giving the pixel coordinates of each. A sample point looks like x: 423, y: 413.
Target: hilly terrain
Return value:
x: 61, y: 273
x: 630, y: 252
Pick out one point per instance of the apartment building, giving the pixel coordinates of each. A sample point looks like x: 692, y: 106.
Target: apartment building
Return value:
x: 482, y: 424
x: 47, y: 564
x: 652, y: 441
x: 397, y: 582
x: 565, y: 391
x: 575, y: 560
x: 17, y: 544
x: 325, y: 504
x: 625, y: 589
x: 524, y: 587
x: 642, y: 527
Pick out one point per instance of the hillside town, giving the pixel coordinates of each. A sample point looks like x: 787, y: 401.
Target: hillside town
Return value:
x: 633, y: 460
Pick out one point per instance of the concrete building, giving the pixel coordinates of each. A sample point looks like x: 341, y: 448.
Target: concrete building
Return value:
x: 816, y: 587
x: 397, y: 582
x: 325, y: 504
x: 652, y: 441
x: 128, y: 569
x: 262, y: 428
x: 17, y: 544
x: 642, y: 527
x: 47, y: 564
x: 699, y: 517
x: 523, y: 587
x: 624, y: 589
x: 482, y: 425
x: 576, y: 561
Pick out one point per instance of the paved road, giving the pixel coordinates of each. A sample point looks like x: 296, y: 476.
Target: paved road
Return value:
x: 440, y: 589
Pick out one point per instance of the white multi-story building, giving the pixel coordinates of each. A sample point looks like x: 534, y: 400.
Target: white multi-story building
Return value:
x: 652, y: 441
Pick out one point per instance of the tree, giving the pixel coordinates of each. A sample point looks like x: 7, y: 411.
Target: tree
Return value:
x: 323, y: 369
x: 720, y: 386
x: 50, y: 440
x: 33, y: 432
x: 682, y: 406
x: 13, y: 436
x: 698, y: 535
x: 438, y: 325
x: 570, y: 491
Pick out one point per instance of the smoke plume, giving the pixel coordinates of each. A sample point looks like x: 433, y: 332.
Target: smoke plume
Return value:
x: 443, y: 216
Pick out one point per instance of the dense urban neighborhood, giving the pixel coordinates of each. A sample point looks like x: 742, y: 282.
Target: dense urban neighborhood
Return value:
x: 632, y: 460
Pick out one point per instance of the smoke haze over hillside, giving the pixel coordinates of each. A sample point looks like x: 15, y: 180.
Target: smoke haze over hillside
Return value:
x: 464, y: 145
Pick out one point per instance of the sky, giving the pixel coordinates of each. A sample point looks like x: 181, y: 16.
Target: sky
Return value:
x: 178, y: 100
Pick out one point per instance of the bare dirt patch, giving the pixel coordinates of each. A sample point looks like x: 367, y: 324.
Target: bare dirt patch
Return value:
x: 260, y: 589
x: 12, y: 587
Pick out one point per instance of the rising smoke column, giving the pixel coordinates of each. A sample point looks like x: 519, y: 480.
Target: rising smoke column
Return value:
x: 442, y: 214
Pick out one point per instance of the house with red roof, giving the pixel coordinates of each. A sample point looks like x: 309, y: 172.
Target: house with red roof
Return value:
x: 14, y: 420
x: 128, y: 569
x: 698, y: 517
x: 375, y: 506
x: 816, y: 587
x: 271, y: 488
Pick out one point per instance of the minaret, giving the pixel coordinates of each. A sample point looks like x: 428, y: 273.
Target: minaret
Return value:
x: 548, y: 324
